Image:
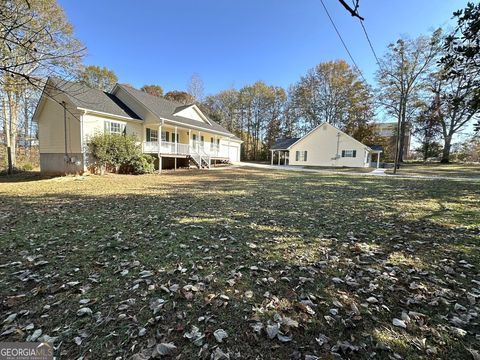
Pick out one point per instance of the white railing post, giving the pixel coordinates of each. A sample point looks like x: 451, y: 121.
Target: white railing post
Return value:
x: 176, y: 141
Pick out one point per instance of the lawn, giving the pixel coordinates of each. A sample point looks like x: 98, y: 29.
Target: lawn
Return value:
x: 241, y: 264
x: 437, y: 169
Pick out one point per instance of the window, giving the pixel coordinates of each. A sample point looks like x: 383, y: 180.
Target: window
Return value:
x: 194, y: 139
x: 112, y: 127
x: 212, y: 143
x: 349, y: 153
x: 152, y: 135
x: 301, y: 156
x: 165, y: 136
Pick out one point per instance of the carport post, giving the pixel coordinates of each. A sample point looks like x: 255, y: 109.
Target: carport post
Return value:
x: 378, y: 160
x: 271, y: 157
x: 279, y: 156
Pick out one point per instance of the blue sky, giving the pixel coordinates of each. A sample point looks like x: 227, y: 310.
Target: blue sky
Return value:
x: 233, y: 43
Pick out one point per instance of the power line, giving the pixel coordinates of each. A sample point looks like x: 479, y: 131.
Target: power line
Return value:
x: 343, y: 42
x: 370, y: 43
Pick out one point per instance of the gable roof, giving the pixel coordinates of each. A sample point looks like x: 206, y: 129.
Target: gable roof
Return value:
x: 316, y: 128
x: 84, y: 97
x: 283, y: 144
x: 166, y: 109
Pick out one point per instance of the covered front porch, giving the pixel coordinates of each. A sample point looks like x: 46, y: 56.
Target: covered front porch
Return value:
x: 174, y: 142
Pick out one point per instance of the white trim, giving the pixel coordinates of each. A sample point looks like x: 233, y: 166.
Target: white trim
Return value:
x: 197, y: 127
x: 82, y: 149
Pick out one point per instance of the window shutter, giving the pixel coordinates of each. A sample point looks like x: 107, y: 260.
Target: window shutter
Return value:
x: 124, y: 130
x: 106, y: 127
x: 354, y: 153
x: 148, y: 134
x: 297, y: 155
x: 305, y: 158
x: 343, y: 153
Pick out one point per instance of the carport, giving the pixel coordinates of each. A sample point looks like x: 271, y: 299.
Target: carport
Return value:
x: 281, y: 148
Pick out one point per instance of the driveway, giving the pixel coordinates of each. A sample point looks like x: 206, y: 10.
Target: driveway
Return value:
x: 375, y: 172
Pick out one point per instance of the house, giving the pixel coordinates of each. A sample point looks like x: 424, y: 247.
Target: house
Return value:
x: 325, y: 145
x: 387, y: 132
x: 68, y: 113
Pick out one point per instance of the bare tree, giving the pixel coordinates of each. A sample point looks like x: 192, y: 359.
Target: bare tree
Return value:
x: 36, y: 40
x: 402, y: 75
x: 195, y: 87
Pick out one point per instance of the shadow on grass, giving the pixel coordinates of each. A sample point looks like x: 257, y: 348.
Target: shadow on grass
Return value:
x: 207, y: 228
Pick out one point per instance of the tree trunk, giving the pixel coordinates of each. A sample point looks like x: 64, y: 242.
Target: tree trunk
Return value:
x: 402, y: 131
x: 446, y: 149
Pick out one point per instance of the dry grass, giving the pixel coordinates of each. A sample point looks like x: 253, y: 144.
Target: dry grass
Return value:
x: 281, y: 235
x: 437, y: 169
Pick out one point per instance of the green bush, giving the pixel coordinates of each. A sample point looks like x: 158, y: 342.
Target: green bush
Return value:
x: 138, y: 165
x: 119, y: 153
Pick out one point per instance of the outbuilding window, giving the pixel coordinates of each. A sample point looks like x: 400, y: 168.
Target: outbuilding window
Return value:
x: 349, y: 153
x: 301, y: 155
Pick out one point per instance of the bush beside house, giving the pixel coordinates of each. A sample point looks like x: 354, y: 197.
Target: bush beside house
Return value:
x: 120, y: 154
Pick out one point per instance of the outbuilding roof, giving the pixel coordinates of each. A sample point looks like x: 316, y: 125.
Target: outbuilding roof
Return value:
x: 284, y: 144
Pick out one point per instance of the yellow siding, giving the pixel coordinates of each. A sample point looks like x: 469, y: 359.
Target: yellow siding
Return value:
x: 51, y: 131
x: 190, y: 113
x: 96, y: 124
x: 321, y: 146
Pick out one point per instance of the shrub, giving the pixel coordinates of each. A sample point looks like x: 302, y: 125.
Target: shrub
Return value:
x: 138, y: 165
x: 27, y: 167
x: 120, y: 153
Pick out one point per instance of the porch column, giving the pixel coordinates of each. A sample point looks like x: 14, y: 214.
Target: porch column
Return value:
x: 199, y: 141
x: 159, y: 149
x: 271, y: 157
x: 176, y: 143
x: 378, y: 160
x: 279, y: 156
x: 189, y: 139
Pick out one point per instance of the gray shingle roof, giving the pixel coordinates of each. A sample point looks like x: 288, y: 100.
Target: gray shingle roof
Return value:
x: 166, y: 109
x: 284, y: 144
x: 85, y: 97
x: 376, y: 147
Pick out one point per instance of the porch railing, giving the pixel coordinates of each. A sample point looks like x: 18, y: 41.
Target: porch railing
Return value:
x: 205, y: 149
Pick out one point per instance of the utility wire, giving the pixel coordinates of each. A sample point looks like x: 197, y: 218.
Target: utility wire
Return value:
x: 343, y: 42
x: 370, y: 43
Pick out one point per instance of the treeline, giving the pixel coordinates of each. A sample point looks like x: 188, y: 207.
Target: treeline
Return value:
x: 430, y: 85
x: 259, y: 114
